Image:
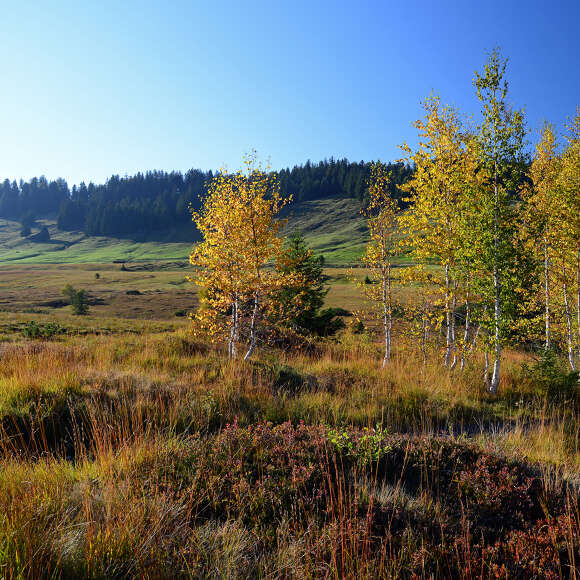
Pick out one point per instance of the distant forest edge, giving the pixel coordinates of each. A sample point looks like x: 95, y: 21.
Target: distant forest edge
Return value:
x: 157, y: 200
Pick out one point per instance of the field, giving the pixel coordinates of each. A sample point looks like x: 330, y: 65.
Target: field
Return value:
x: 154, y: 292
x: 129, y: 449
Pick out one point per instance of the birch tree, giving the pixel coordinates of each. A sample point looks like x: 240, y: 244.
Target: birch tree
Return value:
x: 569, y: 233
x: 542, y: 209
x: 218, y: 264
x: 239, y: 228
x: 444, y: 167
x: 381, y: 213
x: 500, y: 142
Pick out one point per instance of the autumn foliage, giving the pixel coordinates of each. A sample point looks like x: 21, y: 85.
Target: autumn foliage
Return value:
x: 239, y: 225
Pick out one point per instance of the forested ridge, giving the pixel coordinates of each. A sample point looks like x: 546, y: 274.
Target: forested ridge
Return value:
x: 158, y: 200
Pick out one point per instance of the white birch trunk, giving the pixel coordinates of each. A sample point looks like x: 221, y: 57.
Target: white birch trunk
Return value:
x: 568, y: 321
x: 486, y: 371
x: 253, y: 323
x: 547, y: 294
x: 497, y: 336
x: 474, y: 341
x: 466, y: 331
x: 448, y: 341
x: 453, y: 338
x: 387, y: 312
x: 497, y: 295
x: 233, y: 329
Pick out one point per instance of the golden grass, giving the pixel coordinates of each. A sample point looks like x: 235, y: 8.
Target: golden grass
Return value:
x: 101, y: 429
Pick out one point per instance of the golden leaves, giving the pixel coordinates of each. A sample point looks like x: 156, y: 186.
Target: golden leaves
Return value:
x: 240, y: 240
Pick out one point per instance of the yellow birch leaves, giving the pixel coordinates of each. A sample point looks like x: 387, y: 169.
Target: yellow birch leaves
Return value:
x: 240, y: 240
x: 382, y: 220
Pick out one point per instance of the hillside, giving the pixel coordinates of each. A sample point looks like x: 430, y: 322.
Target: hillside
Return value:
x: 332, y: 226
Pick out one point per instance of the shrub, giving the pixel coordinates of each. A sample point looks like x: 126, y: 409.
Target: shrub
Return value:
x: 34, y: 330
x: 328, y: 321
x: 79, y: 299
x: 551, y: 375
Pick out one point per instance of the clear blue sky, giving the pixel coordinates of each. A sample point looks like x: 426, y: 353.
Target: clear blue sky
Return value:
x: 93, y: 88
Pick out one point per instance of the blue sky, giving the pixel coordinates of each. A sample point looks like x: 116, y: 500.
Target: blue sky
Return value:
x: 95, y: 88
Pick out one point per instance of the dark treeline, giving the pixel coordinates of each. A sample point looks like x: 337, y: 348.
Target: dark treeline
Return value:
x: 158, y: 200
x: 339, y: 178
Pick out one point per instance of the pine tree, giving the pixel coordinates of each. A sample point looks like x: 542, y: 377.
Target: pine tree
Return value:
x: 299, y: 303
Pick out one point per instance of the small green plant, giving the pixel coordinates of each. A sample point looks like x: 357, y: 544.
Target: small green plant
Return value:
x: 551, y: 375
x: 79, y: 299
x: 367, y: 445
x: 34, y: 330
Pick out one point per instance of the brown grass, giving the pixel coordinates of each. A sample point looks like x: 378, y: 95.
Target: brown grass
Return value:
x: 129, y: 449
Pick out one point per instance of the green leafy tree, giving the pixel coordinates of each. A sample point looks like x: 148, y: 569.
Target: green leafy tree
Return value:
x: 569, y: 233
x: 542, y: 205
x: 500, y: 150
x: 79, y: 299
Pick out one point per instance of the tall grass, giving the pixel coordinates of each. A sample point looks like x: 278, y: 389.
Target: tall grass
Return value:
x: 153, y: 456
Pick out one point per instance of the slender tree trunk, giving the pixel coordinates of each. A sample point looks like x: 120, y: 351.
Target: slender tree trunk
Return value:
x: 233, y: 329
x: 467, y: 323
x: 497, y: 295
x: 453, y: 326
x: 568, y: 320
x: 474, y: 341
x: 387, y: 312
x: 497, y: 336
x: 448, y: 341
x: 253, y: 323
x: 424, y: 332
x: 547, y: 293
x: 578, y: 298
x: 486, y: 371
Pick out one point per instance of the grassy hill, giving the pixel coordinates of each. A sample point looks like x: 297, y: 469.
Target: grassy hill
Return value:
x: 333, y: 227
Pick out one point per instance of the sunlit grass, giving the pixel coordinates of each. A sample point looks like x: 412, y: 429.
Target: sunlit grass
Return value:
x: 130, y: 449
